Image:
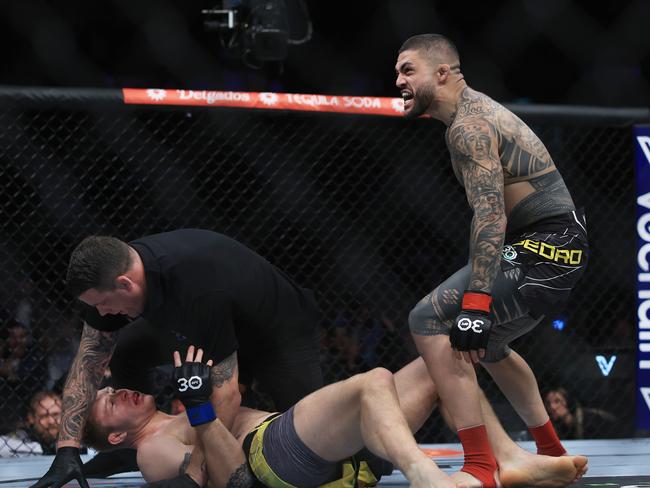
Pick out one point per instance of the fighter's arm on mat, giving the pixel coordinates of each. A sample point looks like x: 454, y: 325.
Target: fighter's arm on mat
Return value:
x: 226, y: 397
x: 84, y: 377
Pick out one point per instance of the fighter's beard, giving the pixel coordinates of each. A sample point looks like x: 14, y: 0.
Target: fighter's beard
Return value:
x: 421, y: 102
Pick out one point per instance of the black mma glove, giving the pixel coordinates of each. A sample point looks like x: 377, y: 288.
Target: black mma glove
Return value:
x: 180, y: 481
x: 65, y: 467
x: 471, y: 328
x: 192, y: 384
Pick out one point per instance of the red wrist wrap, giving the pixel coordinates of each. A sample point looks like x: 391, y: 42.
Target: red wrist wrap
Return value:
x: 477, y: 301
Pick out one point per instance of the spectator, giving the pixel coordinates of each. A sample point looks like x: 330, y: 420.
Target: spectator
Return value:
x: 347, y: 339
x: 25, y: 302
x: 22, y: 371
x: 573, y: 421
x: 392, y: 350
x: 17, y: 340
x: 22, y: 358
x: 39, y: 429
x: 367, y: 339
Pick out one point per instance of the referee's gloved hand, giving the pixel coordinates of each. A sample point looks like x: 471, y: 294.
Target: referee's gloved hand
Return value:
x: 191, y: 381
x: 65, y: 467
x: 471, y: 330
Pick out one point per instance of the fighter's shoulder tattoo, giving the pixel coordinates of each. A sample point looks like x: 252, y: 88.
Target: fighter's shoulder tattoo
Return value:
x: 472, y: 103
x: 472, y: 140
x: 522, y: 152
x: 519, y: 150
x: 241, y: 478
x: 224, y: 371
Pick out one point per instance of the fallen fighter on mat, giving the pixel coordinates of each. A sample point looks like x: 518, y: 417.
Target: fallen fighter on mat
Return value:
x: 320, y: 441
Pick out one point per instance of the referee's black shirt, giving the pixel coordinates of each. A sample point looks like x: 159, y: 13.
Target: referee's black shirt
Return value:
x: 218, y: 293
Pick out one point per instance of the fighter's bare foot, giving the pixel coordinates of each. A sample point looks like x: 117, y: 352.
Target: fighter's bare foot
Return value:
x: 466, y: 480
x: 580, y: 462
x: 542, y: 471
x: 427, y: 475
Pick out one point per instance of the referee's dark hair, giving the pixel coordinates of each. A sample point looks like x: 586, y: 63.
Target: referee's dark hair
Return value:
x: 95, y: 263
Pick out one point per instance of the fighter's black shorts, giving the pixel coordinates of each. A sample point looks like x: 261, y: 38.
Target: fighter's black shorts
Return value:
x: 278, y: 458
x: 540, y: 266
x: 551, y: 257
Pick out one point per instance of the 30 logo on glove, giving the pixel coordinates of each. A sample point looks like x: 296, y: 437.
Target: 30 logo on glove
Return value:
x: 195, y: 383
x: 471, y: 329
x: 465, y: 323
x: 192, y: 383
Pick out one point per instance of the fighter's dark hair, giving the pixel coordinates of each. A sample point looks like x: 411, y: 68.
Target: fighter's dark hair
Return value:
x: 430, y: 44
x: 96, y: 436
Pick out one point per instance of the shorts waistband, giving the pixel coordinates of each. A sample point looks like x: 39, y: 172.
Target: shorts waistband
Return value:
x: 248, y: 440
x: 556, y: 223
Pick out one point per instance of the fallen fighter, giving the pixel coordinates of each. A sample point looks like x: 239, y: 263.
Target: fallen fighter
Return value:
x: 320, y: 441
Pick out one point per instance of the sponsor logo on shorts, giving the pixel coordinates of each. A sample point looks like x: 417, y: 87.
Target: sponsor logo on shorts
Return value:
x: 509, y: 253
x: 552, y: 253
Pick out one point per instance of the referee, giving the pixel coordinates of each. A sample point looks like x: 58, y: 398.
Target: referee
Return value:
x: 165, y: 291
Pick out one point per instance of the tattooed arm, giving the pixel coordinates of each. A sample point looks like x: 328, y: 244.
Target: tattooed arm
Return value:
x: 86, y: 373
x: 225, y: 390
x: 473, y: 146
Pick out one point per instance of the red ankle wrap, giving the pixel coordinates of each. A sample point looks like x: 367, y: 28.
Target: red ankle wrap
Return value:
x: 548, y: 443
x: 479, y: 460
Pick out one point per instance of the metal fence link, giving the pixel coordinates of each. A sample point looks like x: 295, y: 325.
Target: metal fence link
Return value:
x: 364, y: 210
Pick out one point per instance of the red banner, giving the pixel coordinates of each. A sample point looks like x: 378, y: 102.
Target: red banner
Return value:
x: 266, y: 100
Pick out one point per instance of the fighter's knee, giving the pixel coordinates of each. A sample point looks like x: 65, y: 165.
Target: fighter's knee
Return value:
x: 420, y: 316
x: 379, y: 377
x: 424, y: 322
x: 415, y: 317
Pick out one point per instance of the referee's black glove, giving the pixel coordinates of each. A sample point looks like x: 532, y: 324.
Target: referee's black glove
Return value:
x: 65, y: 467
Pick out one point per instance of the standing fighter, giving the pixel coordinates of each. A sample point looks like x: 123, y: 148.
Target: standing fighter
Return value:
x: 528, y: 248
x: 186, y: 285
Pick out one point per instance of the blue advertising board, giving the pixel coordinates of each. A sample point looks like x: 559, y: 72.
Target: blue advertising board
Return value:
x: 642, y: 156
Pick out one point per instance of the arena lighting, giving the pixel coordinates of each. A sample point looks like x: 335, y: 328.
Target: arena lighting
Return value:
x: 255, y: 30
